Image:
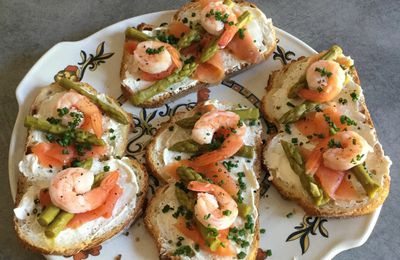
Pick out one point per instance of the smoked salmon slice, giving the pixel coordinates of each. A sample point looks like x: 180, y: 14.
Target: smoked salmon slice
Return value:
x: 194, y: 234
x: 55, y: 155
x: 346, y: 190
x: 330, y: 179
x: 211, y: 71
x: 178, y: 29
x: 220, y: 176
x: 130, y: 46
x: 44, y: 197
x: 334, y: 183
x: 204, y: 3
x: 215, y: 172
x: 244, y: 48
x: 315, y: 124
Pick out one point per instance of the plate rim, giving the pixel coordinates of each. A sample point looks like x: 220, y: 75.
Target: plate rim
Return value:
x: 335, y: 248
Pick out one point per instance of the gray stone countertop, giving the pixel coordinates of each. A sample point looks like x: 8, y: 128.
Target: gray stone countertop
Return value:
x: 368, y: 30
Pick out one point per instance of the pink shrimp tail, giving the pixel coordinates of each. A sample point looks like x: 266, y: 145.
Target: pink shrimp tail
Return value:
x: 234, y: 141
x: 109, y: 181
x: 199, y: 186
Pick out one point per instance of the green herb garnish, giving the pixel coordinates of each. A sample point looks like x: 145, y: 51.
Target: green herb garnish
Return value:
x: 152, y: 51
x: 323, y: 72
x: 347, y: 120
x: 333, y: 129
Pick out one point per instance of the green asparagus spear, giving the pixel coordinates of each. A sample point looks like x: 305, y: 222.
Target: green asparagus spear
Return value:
x: 362, y: 175
x: 245, y: 114
x: 108, y: 105
x: 58, y: 224
x: 244, y: 209
x: 210, y: 235
x: 229, y: 3
x: 209, y: 50
x: 187, y: 174
x: 334, y: 52
x: 187, y: 146
x: 185, y: 199
x: 212, y: 48
x: 48, y: 215
x: 188, y: 122
x: 135, y: 34
x: 246, y: 151
x: 97, y: 179
x: 161, y: 85
x: 297, y: 112
x: 297, y: 164
x: 193, y: 35
x: 243, y: 19
x: 190, y: 146
x: 86, y: 164
x: 43, y: 125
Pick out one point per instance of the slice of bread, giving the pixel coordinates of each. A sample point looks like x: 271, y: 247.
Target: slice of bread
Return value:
x: 162, y: 227
x: 162, y: 224
x: 33, y: 177
x: 351, y: 102
x: 129, y: 206
x: 259, y: 27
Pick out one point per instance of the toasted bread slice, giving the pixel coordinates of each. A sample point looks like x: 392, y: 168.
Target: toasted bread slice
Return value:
x: 161, y: 224
x: 162, y: 227
x: 134, y: 182
x: 259, y: 27
x: 33, y: 177
x: 350, y: 102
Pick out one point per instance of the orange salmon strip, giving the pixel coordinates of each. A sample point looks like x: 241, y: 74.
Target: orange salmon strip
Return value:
x: 104, y: 210
x: 194, y: 234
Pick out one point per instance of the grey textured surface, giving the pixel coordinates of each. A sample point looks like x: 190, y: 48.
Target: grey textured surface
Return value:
x: 368, y: 30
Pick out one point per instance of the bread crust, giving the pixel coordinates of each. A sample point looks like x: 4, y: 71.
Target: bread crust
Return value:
x: 155, y: 231
x: 168, y: 96
x: 305, y: 201
x: 152, y: 162
x: 23, y: 184
x: 143, y: 182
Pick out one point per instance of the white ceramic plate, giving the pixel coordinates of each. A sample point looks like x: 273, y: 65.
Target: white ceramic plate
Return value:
x: 288, y: 233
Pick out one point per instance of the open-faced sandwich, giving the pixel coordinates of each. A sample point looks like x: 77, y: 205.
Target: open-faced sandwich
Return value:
x: 205, y: 42
x: 74, y: 189
x: 210, y: 159
x: 326, y: 155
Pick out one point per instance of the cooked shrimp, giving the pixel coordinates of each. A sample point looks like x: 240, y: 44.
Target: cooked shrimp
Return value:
x: 353, y: 151
x: 341, y: 152
x: 325, y: 80
x: 205, y: 128
x: 210, y: 122
x: 71, y: 190
x: 216, y: 16
x: 152, y: 57
x: 214, y: 206
x: 78, y: 103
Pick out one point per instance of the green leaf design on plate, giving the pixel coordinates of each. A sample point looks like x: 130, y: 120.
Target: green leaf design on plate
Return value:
x: 309, y: 225
x: 74, y: 73
x: 282, y: 55
x: 94, y: 60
